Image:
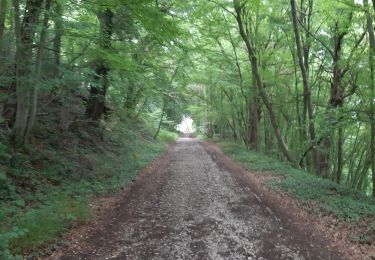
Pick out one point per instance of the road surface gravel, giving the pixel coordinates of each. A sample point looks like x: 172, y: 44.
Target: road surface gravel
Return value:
x: 190, y: 207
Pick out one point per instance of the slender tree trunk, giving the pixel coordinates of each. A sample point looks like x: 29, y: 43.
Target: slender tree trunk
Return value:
x: 10, y: 106
x: 253, y: 118
x: 234, y: 128
x: 3, y: 51
x: 3, y: 11
x: 340, y: 155
x: 166, y: 98
x: 25, y: 83
x: 255, y: 71
x: 161, y: 119
x: 298, y: 113
x: 372, y: 112
x: 38, y: 64
x: 370, y: 29
x: 96, y: 104
x: 254, y: 102
x: 58, y: 12
x: 372, y: 122
x: 59, y: 30
x: 372, y: 106
x: 303, y: 63
x: 43, y: 38
x: 131, y: 98
x: 372, y: 151
x: 338, y: 101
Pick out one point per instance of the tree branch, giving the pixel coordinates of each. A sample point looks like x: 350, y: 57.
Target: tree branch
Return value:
x: 223, y: 7
x: 316, y: 38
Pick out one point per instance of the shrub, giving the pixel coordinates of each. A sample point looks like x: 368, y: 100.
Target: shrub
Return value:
x: 166, y: 136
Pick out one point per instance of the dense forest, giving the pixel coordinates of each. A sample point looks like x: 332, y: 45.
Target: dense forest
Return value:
x: 291, y: 79
x: 294, y: 80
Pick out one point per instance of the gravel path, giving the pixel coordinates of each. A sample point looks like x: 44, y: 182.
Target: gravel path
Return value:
x: 190, y: 208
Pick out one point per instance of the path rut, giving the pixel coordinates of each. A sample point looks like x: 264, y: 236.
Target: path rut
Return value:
x: 192, y: 208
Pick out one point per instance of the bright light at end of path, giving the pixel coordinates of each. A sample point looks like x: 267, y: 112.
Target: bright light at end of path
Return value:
x: 186, y: 126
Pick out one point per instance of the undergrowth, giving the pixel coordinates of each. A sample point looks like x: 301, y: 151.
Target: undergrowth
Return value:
x: 47, y: 188
x: 330, y: 198
x: 167, y: 136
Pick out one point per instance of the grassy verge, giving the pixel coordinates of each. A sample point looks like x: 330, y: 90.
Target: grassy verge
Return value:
x: 318, y: 195
x: 50, y: 191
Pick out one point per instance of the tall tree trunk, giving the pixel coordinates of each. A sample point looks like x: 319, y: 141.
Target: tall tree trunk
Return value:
x: 42, y: 39
x: 305, y: 18
x: 59, y: 30
x: 58, y: 12
x: 38, y: 64
x: 255, y: 71
x: 255, y: 112
x: 336, y: 102
x: 131, y: 98
x: 340, y: 155
x: 10, y: 105
x: 370, y: 29
x: 303, y: 63
x: 372, y: 151
x: 3, y: 53
x: 3, y: 11
x: 253, y: 117
x: 372, y: 112
x: 96, y: 103
x: 167, y: 97
x: 25, y: 83
x: 161, y: 119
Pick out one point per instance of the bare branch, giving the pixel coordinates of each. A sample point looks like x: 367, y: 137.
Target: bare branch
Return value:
x: 316, y: 38
x: 223, y: 7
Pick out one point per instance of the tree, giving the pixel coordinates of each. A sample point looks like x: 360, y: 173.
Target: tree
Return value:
x: 255, y: 72
x: 309, y: 76
x: 3, y: 10
x: 98, y: 92
x: 25, y: 82
x: 303, y: 61
x: 371, y: 34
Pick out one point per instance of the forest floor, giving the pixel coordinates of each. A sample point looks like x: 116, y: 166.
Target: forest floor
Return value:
x: 196, y: 203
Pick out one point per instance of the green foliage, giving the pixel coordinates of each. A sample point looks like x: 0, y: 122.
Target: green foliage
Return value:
x: 46, y: 223
x: 5, y: 238
x: 313, y: 192
x: 222, y: 82
x: 55, y: 196
x: 7, y: 188
x: 339, y: 200
x: 254, y: 161
x: 2, y: 149
x: 163, y: 57
x: 167, y: 136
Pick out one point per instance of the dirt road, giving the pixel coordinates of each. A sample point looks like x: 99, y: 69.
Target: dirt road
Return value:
x: 190, y: 207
